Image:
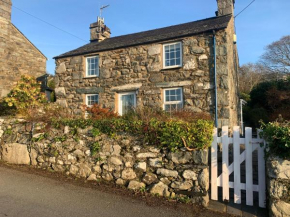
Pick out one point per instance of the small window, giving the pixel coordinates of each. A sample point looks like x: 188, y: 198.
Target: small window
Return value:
x: 127, y: 101
x: 172, y: 55
x: 92, y: 66
x: 173, y: 99
x: 92, y: 99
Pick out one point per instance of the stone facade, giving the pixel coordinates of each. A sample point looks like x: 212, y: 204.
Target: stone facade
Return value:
x: 124, y: 160
x: 140, y: 69
x: 18, y: 55
x: 278, y: 182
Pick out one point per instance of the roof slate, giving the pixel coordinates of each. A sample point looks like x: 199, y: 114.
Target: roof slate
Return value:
x: 151, y: 36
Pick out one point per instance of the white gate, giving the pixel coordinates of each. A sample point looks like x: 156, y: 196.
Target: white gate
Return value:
x: 250, y: 145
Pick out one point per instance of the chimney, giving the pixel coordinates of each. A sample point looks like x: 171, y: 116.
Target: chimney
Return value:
x: 225, y: 7
x: 99, y: 31
x: 5, y: 9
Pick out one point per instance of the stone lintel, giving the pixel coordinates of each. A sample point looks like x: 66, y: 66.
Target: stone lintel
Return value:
x: 174, y: 84
x: 90, y: 90
x: 127, y: 87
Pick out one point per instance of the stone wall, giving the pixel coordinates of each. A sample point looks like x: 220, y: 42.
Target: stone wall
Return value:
x: 17, y: 54
x: 124, y: 159
x: 278, y: 181
x: 139, y: 68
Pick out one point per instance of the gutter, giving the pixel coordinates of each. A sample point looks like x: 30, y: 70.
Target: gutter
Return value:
x: 215, y: 80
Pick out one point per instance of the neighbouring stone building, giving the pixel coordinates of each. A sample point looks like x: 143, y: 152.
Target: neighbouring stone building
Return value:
x: 18, y: 55
x: 172, y: 67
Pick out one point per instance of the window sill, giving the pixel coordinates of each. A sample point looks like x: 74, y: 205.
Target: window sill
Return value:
x: 91, y: 77
x: 171, y: 67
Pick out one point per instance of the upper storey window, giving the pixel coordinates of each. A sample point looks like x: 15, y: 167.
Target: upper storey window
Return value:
x: 92, y: 69
x: 172, y: 55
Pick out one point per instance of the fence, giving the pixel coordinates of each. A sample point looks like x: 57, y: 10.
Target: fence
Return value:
x: 249, y: 145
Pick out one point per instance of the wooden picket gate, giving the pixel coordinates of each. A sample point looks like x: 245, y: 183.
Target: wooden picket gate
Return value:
x: 249, y: 145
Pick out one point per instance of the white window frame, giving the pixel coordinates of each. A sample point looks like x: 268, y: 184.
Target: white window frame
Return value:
x: 172, y: 102
x: 87, y: 67
x: 120, y: 101
x: 95, y: 94
x: 181, y: 55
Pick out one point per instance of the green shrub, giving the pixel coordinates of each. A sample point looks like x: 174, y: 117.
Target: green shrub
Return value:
x: 277, y: 136
x: 172, y: 134
x: 27, y: 93
x: 94, y: 148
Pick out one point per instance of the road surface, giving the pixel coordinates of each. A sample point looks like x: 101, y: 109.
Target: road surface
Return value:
x: 29, y: 195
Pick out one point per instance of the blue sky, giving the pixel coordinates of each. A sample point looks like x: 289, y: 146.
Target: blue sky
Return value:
x: 262, y: 23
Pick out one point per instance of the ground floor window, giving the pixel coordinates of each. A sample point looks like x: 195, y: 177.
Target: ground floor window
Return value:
x: 127, y: 101
x: 92, y: 99
x: 173, y: 99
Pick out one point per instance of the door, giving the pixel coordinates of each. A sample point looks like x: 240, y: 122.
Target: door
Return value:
x: 127, y: 101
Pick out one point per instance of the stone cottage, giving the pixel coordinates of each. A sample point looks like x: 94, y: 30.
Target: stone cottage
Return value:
x: 172, y: 68
x: 18, y: 55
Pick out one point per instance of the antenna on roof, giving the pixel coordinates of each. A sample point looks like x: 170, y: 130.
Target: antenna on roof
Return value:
x: 102, y: 8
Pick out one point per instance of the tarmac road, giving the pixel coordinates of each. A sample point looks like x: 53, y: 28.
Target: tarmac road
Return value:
x: 28, y: 195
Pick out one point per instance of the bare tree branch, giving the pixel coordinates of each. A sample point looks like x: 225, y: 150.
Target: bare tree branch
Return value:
x: 276, y: 58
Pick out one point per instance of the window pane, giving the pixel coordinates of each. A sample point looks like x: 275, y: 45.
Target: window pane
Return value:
x: 172, y: 62
x: 172, y: 98
x: 166, y: 48
x: 178, y: 62
x: 172, y: 55
x: 167, y: 108
x: 166, y: 56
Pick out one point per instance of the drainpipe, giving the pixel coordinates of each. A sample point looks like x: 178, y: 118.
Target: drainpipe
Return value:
x: 215, y: 80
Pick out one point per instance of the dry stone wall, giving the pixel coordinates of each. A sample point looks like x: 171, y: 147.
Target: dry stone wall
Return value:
x: 140, y: 69
x: 124, y: 159
x: 278, y: 174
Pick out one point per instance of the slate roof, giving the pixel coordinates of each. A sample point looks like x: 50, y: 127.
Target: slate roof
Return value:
x: 151, y: 36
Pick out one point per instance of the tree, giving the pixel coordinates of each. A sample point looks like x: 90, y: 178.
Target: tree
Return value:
x: 276, y: 58
x: 249, y: 76
x: 268, y: 101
